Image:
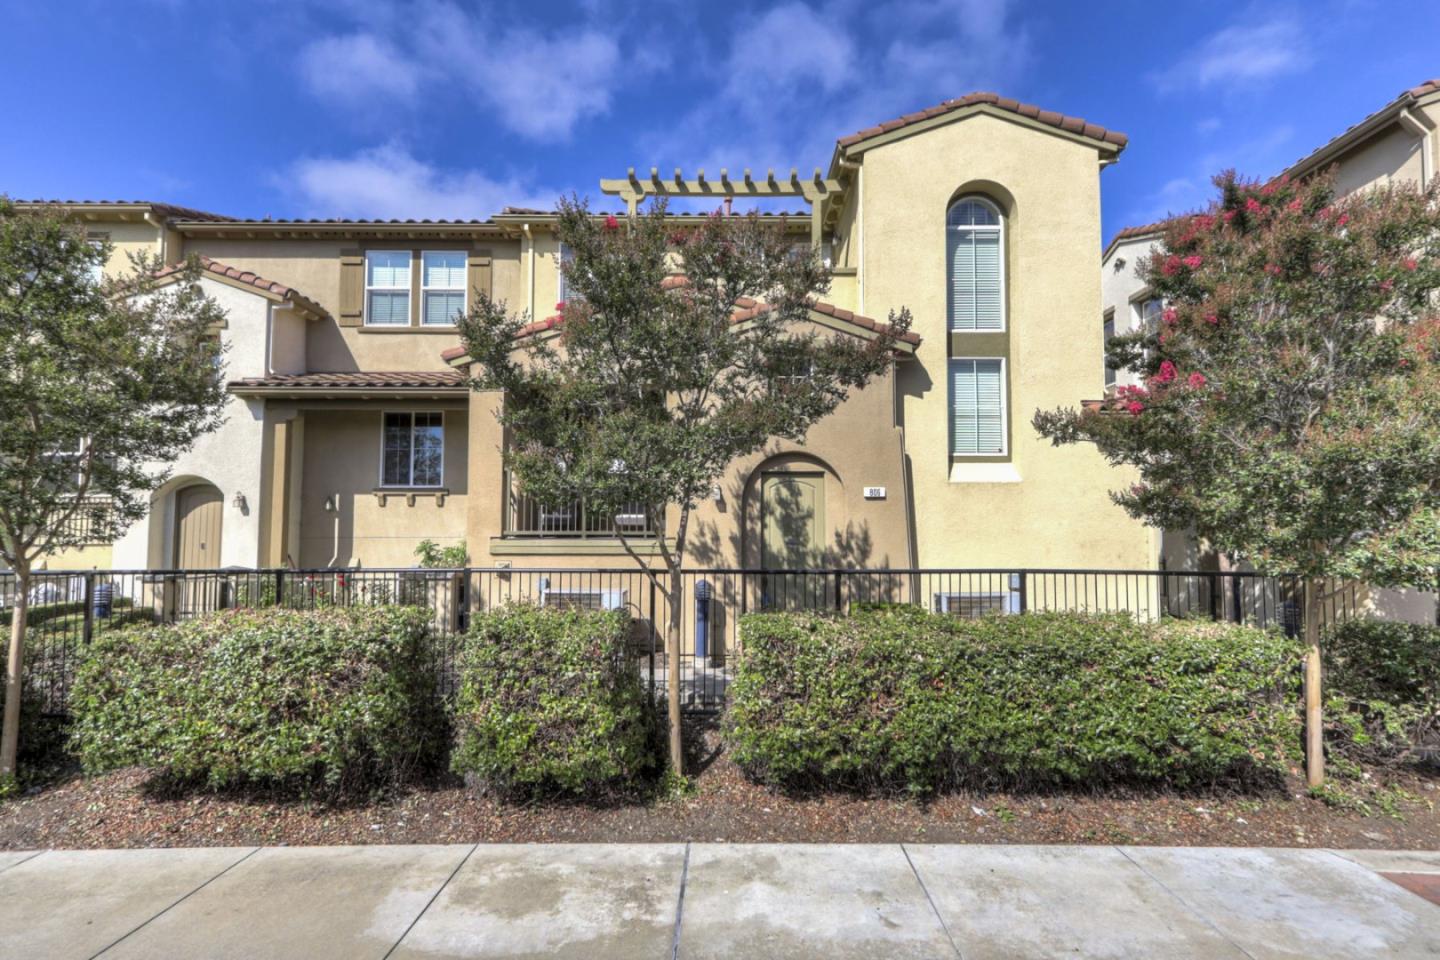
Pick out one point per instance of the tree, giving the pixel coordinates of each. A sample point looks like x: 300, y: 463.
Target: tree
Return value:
x: 1290, y: 406
x: 101, y: 384
x: 666, y: 370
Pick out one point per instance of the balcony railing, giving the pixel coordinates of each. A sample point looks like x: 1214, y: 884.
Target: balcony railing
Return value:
x: 527, y: 517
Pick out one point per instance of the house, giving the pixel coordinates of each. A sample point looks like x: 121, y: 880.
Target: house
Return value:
x: 1398, y: 143
x: 352, y: 434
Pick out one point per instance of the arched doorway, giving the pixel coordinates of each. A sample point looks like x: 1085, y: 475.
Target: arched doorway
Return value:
x: 199, y: 510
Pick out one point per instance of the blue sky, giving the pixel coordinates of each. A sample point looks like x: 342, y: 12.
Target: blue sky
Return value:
x: 438, y: 108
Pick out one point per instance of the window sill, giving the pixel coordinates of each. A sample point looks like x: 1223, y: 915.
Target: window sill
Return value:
x: 973, y: 472
x: 383, y: 494
x: 569, y: 546
x: 431, y: 328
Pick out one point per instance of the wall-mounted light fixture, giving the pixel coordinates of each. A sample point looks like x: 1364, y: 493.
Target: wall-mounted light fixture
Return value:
x: 239, y: 502
x: 330, y: 504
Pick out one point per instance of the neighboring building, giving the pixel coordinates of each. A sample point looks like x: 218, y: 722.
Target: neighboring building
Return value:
x: 349, y: 439
x: 1398, y: 143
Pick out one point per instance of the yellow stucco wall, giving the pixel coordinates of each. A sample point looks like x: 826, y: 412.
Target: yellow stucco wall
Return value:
x: 342, y: 459
x: 1054, y: 510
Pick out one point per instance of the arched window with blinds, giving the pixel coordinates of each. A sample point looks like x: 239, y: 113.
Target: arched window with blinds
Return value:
x: 975, y: 244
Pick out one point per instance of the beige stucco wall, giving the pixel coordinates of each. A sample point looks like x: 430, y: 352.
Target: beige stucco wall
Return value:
x: 126, y: 238
x: 1049, y: 506
x: 1392, y: 156
x: 341, y: 450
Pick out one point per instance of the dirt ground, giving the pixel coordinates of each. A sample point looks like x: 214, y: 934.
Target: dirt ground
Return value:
x: 128, y: 809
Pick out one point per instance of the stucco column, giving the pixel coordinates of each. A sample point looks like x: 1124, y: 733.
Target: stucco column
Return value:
x: 275, y: 493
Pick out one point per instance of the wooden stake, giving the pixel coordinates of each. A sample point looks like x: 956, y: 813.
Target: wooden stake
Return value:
x: 1314, y: 716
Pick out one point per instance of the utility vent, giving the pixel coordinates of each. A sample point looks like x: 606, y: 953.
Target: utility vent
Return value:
x: 974, y: 605
x: 569, y: 599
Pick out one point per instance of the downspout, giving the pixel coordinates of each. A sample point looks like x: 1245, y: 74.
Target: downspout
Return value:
x: 1417, y: 126
x: 530, y: 269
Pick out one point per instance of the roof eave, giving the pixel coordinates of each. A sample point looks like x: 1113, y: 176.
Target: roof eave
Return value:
x: 1109, y: 151
x: 1362, y: 131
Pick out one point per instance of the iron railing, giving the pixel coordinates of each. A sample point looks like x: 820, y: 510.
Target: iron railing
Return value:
x: 69, y: 608
x: 527, y: 517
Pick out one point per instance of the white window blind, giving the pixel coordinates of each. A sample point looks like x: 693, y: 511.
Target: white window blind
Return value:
x: 977, y: 405
x: 413, y: 450
x: 977, y: 284
x: 567, y: 256
x: 442, y: 282
x: 387, y: 288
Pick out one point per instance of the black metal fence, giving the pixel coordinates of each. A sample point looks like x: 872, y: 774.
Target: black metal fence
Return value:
x: 69, y: 608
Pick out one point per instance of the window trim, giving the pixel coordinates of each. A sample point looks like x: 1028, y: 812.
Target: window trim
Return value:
x: 562, y: 286
x: 1004, y: 409
x: 409, y: 289
x: 1107, y: 319
x: 462, y: 289
x: 382, y: 485
x: 999, y: 230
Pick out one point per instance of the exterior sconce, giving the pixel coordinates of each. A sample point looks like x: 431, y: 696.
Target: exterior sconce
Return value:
x: 715, y: 493
x: 330, y: 504
x: 239, y: 503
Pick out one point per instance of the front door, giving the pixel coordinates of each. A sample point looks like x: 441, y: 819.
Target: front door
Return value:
x: 198, y: 512
x: 792, y: 517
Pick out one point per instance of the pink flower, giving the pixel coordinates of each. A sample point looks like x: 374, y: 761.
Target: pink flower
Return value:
x: 1196, y: 380
x: 1268, y: 189
x: 1193, y: 261
x: 1343, y: 219
x: 1273, y: 269
x: 611, y: 223
x: 560, y: 307
x: 1171, y: 266
x: 1293, y: 206
x: 1166, y: 374
x: 1229, y: 215
x: 1213, y: 320
x: 1169, y: 316
x: 1203, y: 221
x: 1135, y: 407
x: 1410, y: 264
x: 1387, y: 285
x: 1252, y: 205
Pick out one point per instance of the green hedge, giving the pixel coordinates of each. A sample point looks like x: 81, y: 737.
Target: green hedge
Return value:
x: 550, y: 700
x: 42, y: 613
x: 897, y: 697
x: 343, y: 697
x: 1382, y: 683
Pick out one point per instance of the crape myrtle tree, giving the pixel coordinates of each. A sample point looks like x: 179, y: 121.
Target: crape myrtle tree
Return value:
x: 1289, y: 404
x: 652, y: 388
x: 100, y: 382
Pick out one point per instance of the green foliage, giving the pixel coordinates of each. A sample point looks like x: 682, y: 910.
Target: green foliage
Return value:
x: 550, y: 700
x: 1383, y: 688
x: 432, y: 555
x: 890, y: 698
x: 650, y: 392
x: 44, y: 613
x: 347, y: 698
x: 1290, y: 407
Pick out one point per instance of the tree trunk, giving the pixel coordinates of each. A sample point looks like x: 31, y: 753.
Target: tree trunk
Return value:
x: 1314, y: 719
x: 15, y: 663
x: 672, y: 670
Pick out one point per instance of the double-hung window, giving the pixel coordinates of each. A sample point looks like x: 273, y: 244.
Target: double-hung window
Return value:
x: 977, y: 407
x: 442, y: 287
x: 413, y: 450
x: 387, y: 288
x: 975, y: 247
x: 562, y: 283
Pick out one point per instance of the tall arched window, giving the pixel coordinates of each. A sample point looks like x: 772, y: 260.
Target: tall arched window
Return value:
x: 975, y: 238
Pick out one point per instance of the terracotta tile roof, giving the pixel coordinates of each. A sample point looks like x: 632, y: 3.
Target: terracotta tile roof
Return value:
x: 1352, y: 132
x: 366, y: 380
x: 1140, y: 230
x: 248, y: 278
x: 168, y: 210
x: 343, y: 222
x: 1067, y: 123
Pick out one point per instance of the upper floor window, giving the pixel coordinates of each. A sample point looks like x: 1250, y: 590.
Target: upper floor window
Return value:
x: 562, y: 283
x: 1109, y: 329
x: 413, y: 450
x: 442, y: 287
x: 977, y: 407
x: 975, y: 247
x: 387, y: 288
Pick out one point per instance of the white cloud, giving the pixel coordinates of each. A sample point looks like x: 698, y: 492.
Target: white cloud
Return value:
x: 541, y: 87
x: 388, y: 182
x: 1193, y: 189
x: 356, y: 68
x: 1246, y: 52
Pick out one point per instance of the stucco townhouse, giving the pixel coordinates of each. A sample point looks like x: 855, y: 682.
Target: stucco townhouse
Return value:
x: 1398, y: 143
x: 352, y: 435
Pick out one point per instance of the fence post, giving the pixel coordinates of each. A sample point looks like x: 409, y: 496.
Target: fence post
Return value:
x: 89, y: 629
x: 1024, y: 590
x: 652, y: 641
x: 1237, y: 597
x: 1215, y: 602
x: 280, y: 587
x: 839, y: 601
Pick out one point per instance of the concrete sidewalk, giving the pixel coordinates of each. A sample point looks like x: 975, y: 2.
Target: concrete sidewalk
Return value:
x: 718, y: 900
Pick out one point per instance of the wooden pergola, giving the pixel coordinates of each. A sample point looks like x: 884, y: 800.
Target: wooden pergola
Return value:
x: 815, y: 190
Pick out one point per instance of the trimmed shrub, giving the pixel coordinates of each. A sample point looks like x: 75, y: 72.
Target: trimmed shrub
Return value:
x: 336, y: 696
x: 1382, y: 683
x: 897, y: 697
x: 550, y: 700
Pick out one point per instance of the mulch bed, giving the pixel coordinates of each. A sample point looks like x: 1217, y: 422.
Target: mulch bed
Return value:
x: 126, y: 809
